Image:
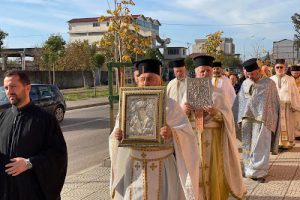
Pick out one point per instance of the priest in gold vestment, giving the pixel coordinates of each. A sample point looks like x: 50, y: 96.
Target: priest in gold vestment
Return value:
x: 220, y: 173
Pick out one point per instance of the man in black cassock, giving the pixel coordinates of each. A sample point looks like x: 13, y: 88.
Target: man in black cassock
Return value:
x: 33, y: 152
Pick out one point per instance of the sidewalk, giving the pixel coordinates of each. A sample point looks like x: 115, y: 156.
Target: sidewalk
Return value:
x: 85, y: 103
x: 282, y: 182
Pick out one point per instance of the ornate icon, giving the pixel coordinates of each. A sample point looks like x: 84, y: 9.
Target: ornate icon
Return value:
x: 199, y: 92
x: 142, y: 115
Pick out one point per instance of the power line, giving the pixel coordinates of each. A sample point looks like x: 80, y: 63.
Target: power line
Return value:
x: 242, y: 24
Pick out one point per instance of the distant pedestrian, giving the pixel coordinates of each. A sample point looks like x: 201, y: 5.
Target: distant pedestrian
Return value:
x: 234, y: 80
x: 33, y: 153
x: 241, y: 80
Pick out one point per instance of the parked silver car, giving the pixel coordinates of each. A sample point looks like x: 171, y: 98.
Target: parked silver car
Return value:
x: 46, y: 96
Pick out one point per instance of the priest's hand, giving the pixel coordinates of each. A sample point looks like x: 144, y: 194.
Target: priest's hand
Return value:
x: 187, y: 108
x: 118, y: 134
x: 210, y: 110
x: 16, y: 167
x: 166, y: 132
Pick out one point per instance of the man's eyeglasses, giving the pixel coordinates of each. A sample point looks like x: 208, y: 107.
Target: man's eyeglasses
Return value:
x: 279, y: 67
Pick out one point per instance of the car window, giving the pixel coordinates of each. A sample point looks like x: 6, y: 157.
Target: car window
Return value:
x: 45, y: 92
x: 3, y: 98
x: 34, y: 95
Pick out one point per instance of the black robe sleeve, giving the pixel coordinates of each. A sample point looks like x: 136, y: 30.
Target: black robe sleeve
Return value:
x: 50, y: 165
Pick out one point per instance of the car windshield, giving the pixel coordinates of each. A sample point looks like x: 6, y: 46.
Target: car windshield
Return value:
x: 3, y: 98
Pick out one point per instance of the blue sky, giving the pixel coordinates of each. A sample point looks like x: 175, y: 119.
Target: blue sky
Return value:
x: 251, y: 23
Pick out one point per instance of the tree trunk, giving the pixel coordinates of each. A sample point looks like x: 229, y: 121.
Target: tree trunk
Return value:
x: 99, y: 75
x: 83, y: 79
x: 49, y: 74
x: 94, y: 77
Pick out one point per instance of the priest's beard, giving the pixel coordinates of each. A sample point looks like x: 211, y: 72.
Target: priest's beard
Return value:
x: 180, y: 78
x: 217, y: 74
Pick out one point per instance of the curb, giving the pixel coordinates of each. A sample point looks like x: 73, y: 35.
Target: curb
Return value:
x: 87, y: 106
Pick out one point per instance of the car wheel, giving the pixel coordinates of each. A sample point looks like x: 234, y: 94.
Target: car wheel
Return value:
x: 59, y: 113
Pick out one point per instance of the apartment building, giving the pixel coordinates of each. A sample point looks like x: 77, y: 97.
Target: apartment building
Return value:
x: 285, y: 49
x: 227, y: 46
x: 171, y: 53
x: 92, y: 30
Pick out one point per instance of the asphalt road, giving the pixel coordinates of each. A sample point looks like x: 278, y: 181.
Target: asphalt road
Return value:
x: 86, y: 133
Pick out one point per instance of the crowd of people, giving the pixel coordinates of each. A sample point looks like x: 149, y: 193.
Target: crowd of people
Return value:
x: 200, y: 158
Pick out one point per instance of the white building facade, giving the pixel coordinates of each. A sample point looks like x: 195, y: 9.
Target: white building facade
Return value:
x: 91, y: 29
x: 227, y: 46
x: 171, y: 53
x: 286, y: 49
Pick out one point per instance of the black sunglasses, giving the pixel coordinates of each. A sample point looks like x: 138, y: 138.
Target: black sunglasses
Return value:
x: 279, y: 67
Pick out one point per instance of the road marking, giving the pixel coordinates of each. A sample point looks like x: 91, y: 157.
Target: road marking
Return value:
x: 81, y: 123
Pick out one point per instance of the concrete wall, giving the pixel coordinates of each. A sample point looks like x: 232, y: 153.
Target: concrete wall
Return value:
x: 63, y: 79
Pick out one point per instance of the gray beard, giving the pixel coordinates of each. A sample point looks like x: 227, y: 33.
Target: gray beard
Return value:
x: 217, y: 74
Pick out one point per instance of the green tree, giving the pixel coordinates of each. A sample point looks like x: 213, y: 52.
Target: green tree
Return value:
x: 80, y: 55
x: 212, y: 45
x: 3, y: 35
x: 122, y: 40
x: 53, y: 49
x: 152, y: 53
x: 296, y: 22
x: 76, y: 57
x: 189, y: 65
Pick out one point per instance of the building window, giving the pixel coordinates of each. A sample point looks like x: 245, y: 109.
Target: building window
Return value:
x: 173, y: 51
x: 96, y: 24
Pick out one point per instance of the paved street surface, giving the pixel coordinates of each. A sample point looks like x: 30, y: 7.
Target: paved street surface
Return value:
x: 283, y: 182
x: 86, y: 131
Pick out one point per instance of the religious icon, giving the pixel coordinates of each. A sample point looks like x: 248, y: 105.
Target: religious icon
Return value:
x: 142, y: 115
x: 199, y: 92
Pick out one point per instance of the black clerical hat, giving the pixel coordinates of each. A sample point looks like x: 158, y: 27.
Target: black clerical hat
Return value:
x: 280, y: 61
x: 250, y: 65
x: 177, y: 63
x: 149, y: 66
x: 203, y: 60
x: 295, y: 68
x: 217, y: 64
